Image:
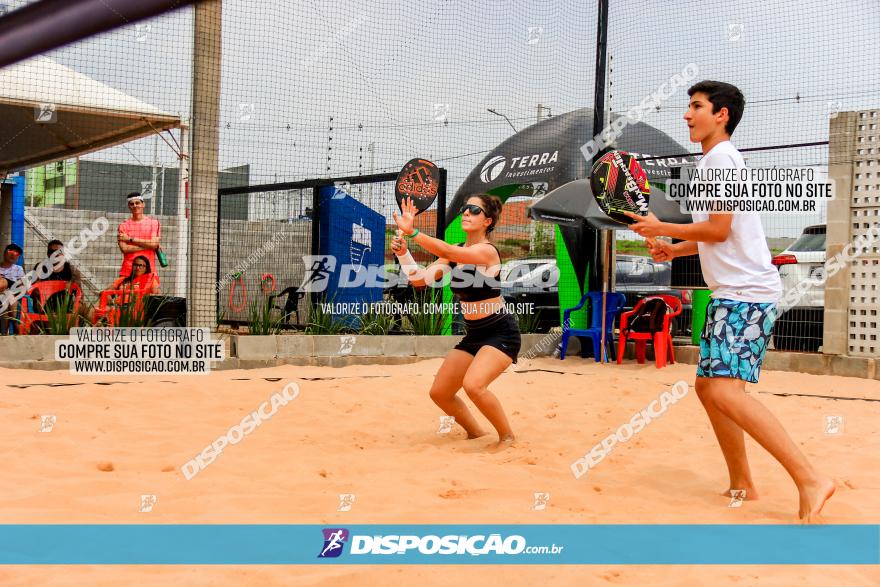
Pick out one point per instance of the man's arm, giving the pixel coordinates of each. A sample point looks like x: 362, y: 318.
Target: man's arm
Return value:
x: 135, y: 245
x: 128, y: 244
x: 685, y: 248
x: 714, y: 230
x: 664, y: 251
x: 122, y: 240
x: 142, y: 244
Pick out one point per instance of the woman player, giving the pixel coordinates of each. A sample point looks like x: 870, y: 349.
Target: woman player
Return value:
x: 492, y: 341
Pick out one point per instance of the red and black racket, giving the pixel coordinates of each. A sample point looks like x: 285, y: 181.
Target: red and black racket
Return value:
x: 620, y: 185
x: 419, y: 180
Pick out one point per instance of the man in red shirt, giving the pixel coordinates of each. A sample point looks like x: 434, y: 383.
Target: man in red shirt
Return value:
x: 139, y: 235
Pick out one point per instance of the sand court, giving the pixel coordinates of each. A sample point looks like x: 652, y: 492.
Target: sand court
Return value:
x: 371, y: 433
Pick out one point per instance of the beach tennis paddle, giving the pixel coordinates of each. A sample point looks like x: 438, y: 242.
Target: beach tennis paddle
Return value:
x: 419, y: 180
x: 620, y: 185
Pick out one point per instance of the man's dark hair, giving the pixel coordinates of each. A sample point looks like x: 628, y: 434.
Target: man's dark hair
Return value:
x: 52, y: 243
x: 722, y: 95
x: 133, y: 195
x: 13, y: 247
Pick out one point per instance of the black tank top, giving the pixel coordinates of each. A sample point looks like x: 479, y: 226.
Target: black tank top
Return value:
x: 474, y: 293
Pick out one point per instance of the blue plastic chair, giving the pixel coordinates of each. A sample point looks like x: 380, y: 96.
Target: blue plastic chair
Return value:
x: 614, y: 303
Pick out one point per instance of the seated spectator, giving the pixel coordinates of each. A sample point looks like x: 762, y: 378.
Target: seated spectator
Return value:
x: 9, y: 267
x: 140, y: 267
x: 62, y: 271
x: 142, y: 279
x: 10, y: 272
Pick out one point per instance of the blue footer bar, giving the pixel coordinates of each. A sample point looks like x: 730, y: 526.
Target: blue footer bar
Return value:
x: 439, y: 544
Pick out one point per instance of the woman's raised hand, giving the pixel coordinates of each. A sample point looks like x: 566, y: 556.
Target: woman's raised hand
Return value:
x: 407, y: 218
x: 398, y: 244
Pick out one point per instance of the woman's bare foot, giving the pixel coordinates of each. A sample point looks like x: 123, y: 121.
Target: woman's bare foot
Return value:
x: 477, y: 434
x: 813, y: 497
x: 751, y: 493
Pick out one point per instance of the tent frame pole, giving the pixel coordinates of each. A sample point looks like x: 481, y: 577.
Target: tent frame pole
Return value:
x: 598, y: 125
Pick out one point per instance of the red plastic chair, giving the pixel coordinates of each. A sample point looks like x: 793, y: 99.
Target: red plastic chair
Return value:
x: 111, y: 300
x: 42, y: 291
x: 662, y: 340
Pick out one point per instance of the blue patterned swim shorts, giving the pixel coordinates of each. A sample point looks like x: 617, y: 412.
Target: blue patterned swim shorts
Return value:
x: 735, y: 339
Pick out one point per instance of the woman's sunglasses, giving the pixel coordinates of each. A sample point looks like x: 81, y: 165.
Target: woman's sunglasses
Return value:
x: 142, y: 266
x: 472, y: 208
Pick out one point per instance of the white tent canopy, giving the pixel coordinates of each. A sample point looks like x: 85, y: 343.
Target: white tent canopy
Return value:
x: 50, y: 112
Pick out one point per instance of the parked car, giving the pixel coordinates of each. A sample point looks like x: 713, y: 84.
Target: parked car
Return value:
x: 801, y: 327
x: 533, y: 281
x: 525, y: 281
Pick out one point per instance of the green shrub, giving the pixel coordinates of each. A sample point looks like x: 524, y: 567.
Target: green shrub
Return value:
x: 60, y: 314
x: 528, y: 323
x: 426, y: 323
x: 372, y: 322
x: 322, y: 322
x: 544, y: 241
x: 132, y: 315
x: 260, y: 320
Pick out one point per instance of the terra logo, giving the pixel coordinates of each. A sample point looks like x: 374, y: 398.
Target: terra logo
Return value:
x: 493, y: 168
x: 334, y: 541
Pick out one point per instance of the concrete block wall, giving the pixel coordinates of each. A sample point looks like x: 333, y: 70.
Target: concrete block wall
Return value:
x: 841, y: 145
x: 250, y: 352
x: 852, y: 296
x: 242, y: 247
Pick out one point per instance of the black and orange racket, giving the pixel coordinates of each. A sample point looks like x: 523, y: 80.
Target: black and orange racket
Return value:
x: 620, y: 185
x: 419, y: 180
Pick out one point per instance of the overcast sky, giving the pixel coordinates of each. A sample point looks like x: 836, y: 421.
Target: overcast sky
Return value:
x: 289, y: 66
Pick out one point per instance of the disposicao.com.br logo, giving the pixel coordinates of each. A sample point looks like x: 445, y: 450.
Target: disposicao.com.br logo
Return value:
x: 430, y: 544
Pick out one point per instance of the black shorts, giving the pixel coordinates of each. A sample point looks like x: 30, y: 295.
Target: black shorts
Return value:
x: 500, y: 331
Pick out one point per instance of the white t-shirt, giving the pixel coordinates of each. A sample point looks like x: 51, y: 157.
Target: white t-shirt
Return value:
x: 738, y: 268
x: 13, y: 273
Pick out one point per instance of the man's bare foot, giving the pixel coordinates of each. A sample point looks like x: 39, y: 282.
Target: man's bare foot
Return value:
x: 751, y: 493
x: 813, y: 497
x: 505, y: 441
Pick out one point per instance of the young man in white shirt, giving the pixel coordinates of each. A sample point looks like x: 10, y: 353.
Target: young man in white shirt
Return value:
x: 9, y: 267
x: 10, y: 272
x: 739, y: 321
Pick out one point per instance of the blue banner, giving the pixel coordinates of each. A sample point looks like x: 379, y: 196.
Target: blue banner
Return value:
x: 17, y: 220
x: 145, y: 544
x: 439, y: 544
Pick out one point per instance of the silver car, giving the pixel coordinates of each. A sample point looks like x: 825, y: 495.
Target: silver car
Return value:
x: 800, y: 328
